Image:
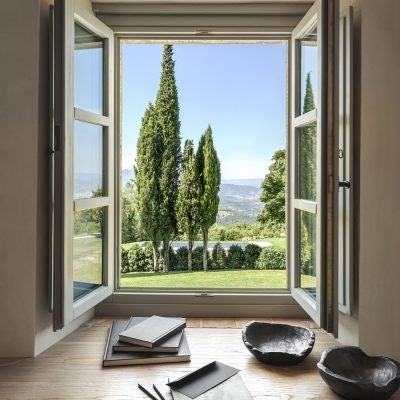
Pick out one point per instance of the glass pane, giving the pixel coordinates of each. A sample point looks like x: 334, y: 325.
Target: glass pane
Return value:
x: 308, y: 72
x: 88, y: 251
x: 307, y: 251
x: 88, y: 160
x: 88, y: 71
x: 307, y: 161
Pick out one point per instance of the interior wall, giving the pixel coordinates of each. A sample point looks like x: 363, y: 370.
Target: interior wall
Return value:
x: 19, y: 30
x: 379, y: 316
x: 26, y: 327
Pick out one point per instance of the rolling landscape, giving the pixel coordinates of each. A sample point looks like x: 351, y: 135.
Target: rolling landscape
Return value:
x: 239, y: 199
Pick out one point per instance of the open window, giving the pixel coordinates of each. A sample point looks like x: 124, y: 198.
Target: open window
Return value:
x: 85, y: 158
x: 82, y: 162
x: 306, y: 213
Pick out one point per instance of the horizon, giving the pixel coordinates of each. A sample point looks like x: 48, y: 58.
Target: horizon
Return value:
x: 209, y: 92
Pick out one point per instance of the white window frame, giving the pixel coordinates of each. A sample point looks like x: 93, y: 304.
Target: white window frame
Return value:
x: 212, y: 302
x: 313, y: 307
x: 64, y: 308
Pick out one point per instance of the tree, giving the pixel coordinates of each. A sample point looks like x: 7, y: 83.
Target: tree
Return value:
x: 188, y: 204
x: 209, y: 172
x: 147, y: 171
x: 167, y: 108
x: 128, y: 217
x: 307, y: 180
x: 273, y: 191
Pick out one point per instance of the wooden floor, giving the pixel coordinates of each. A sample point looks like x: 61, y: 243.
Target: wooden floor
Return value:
x: 72, y: 368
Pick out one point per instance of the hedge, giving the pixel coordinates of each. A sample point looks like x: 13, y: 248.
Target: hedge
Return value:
x: 251, y: 255
x: 272, y: 258
x: 235, y: 257
x: 218, y: 257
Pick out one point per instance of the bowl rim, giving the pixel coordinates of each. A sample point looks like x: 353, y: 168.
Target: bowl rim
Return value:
x: 251, y: 347
x: 367, y: 385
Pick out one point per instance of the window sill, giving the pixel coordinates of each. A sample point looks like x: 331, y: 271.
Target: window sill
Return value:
x: 201, y: 304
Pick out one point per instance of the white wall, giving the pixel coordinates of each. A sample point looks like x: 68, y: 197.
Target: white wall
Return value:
x: 26, y: 325
x: 379, y: 303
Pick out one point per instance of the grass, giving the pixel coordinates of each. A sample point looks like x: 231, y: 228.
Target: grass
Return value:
x: 87, y: 259
x: 214, y: 279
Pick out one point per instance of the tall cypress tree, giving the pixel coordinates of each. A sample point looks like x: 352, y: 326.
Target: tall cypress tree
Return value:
x: 209, y: 171
x: 147, y: 171
x: 188, y: 203
x: 167, y: 107
x: 307, y: 189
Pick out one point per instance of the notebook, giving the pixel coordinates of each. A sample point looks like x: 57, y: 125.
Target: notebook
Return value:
x: 152, y: 331
x: 111, y: 358
x: 170, y: 345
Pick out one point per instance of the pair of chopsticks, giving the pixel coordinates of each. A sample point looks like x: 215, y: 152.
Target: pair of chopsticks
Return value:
x: 149, y: 395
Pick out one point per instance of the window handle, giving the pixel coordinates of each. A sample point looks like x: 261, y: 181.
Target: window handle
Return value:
x: 345, y: 184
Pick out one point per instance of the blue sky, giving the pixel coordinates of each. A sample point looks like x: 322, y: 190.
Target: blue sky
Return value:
x: 239, y: 89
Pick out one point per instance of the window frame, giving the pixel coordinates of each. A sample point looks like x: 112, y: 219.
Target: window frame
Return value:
x: 124, y: 295
x: 63, y: 205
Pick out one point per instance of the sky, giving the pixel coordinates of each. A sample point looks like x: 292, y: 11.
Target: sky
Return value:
x: 239, y: 89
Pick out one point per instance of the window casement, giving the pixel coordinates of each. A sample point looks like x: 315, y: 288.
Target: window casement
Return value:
x: 82, y: 155
x: 83, y: 114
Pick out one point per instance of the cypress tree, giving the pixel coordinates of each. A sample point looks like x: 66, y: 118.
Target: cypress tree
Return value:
x: 308, y: 152
x: 147, y: 171
x: 167, y: 107
x: 209, y: 170
x: 188, y: 204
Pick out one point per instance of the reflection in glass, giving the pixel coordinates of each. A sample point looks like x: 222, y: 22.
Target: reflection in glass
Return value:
x: 307, y: 251
x: 308, y: 71
x: 88, y: 160
x: 87, y: 251
x: 307, y: 161
x: 88, y: 71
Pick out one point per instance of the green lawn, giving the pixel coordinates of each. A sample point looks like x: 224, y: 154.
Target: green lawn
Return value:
x: 87, y: 259
x: 215, y: 279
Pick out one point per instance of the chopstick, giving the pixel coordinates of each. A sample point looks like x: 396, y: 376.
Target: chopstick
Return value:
x: 158, y: 392
x: 146, y: 392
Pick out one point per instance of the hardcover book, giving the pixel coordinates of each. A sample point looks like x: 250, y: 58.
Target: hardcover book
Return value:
x: 152, y: 331
x: 170, y: 345
x: 111, y: 358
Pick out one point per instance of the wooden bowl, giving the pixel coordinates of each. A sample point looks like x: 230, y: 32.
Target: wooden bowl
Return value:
x: 354, y: 375
x: 278, y: 344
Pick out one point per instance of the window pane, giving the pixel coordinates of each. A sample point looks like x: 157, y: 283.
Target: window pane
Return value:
x: 307, y: 161
x: 88, y: 251
x: 307, y: 251
x: 88, y: 160
x: 308, y: 72
x: 88, y: 72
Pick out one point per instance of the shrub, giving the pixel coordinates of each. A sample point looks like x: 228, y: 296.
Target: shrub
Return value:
x: 181, y: 258
x: 251, y: 254
x: 172, y: 260
x: 272, y: 258
x: 124, y: 260
x: 197, y: 258
x: 218, y: 257
x: 139, y: 259
x: 235, y: 257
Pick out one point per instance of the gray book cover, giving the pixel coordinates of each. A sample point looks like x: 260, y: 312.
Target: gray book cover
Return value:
x: 111, y: 358
x: 170, y: 345
x: 152, y: 331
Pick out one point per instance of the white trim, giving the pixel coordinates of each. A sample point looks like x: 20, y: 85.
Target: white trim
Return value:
x: 312, y: 307
x: 91, y: 118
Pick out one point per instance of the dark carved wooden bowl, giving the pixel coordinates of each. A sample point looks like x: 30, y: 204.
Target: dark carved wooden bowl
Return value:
x: 278, y: 344
x: 354, y: 375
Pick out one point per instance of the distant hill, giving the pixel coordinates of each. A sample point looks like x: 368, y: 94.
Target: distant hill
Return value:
x: 239, y: 203
x: 239, y: 198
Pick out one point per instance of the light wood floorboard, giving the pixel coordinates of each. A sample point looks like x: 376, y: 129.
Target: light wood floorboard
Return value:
x: 72, y: 369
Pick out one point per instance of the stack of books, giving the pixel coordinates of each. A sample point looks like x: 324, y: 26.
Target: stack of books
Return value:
x: 146, y: 340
